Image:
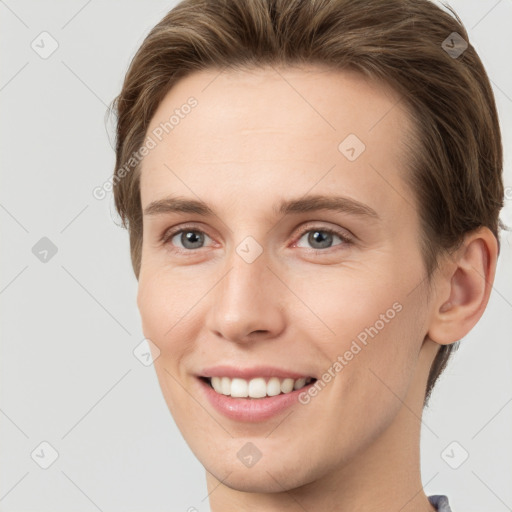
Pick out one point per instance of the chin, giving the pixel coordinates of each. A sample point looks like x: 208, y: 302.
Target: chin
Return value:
x: 261, y: 482
x: 264, y: 477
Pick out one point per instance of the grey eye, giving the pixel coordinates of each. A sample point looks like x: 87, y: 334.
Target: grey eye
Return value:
x: 189, y: 239
x: 320, y: 238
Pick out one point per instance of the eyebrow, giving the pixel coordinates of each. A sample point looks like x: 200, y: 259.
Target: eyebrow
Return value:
x: 288, y: 206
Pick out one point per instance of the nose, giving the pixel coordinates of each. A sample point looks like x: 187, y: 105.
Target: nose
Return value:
x: 248, y: 303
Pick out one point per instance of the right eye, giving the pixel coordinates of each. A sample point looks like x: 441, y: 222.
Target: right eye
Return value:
x: 190, y: 239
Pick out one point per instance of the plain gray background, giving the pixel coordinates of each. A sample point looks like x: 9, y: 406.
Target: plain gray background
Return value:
x: 70, y: 324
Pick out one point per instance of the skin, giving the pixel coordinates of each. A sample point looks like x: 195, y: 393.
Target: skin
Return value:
x: 256, y: 137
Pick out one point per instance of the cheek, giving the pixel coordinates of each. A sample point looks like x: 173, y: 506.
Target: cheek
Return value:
x: 352, y: 305
x: 163, y: 302
x: 373, y: 356
x: 375, y: 331
x: 163, y: 305
x: 172, y: 306
x: 155, y: 305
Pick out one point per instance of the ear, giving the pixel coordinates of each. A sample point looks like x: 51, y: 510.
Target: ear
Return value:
x: 463, y: 286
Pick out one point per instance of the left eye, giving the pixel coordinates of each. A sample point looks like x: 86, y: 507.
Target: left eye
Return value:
x: 322, y: 238
x: 190, y: 239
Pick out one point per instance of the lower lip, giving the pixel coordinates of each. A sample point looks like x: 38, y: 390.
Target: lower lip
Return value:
x: 251, y: 409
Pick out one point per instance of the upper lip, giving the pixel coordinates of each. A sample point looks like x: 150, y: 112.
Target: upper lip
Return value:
x: 251, y: 373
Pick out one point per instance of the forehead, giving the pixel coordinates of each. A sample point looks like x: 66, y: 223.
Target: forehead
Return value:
x: 276, y: 129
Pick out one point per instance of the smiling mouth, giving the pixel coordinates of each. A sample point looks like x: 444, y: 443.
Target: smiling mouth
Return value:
x: 259, y: 387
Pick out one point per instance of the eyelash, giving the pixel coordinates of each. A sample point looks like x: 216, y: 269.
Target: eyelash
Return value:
x: 170, y: 234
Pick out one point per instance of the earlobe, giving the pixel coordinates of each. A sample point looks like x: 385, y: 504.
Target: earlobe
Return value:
x: 466, y: 286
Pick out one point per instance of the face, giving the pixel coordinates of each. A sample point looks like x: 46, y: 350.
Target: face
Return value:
x: 281, y: 242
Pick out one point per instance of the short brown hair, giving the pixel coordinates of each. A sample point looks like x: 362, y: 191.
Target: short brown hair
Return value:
x: 455, y: 168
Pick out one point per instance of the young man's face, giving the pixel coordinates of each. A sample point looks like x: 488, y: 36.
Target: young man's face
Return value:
x: 313, y: 292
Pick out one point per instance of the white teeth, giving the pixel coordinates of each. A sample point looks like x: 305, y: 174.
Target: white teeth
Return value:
x: 225, y: 385
x: 216, y: 384
x: 258, y: 387
x: 299, y: 383
x: 239, y: 388
x: 273, y: 387
x: 286, y: 385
